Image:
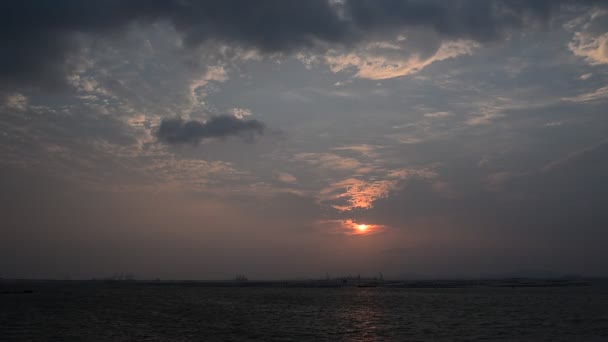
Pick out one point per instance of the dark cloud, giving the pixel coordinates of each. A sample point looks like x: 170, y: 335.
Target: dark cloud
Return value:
x: 477, y: 20
x: 178, y: 131
x: 38, y: 36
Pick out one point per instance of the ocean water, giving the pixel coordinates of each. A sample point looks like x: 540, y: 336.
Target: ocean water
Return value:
x: 148, y: 312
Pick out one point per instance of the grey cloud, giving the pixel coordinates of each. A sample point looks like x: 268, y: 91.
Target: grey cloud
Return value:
x: 178, y: 131
x: 38, y: 37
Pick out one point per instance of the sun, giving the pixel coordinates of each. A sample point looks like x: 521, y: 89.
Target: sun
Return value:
x: 355, y: 228
x: 362, y: 227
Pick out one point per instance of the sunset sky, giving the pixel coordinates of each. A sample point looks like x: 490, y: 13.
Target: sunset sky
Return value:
x: 289, y: 139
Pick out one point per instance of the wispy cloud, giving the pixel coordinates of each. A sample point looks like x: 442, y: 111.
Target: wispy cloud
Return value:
x: 16, y: 101
x: 600, y: 94
x: 487, y: 114
x: 356, y: 193
x: 376, y: 66
x: 364, y: 149
x: 212, y: 74
x: 438, y: 114
x: 286, y: 177
x: 593, y: 48
x: 329, y: 161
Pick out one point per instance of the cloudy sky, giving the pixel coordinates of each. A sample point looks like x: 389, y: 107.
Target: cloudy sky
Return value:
x: 281, y: 139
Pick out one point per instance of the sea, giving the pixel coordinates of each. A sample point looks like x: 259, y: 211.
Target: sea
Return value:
x: 148, y: 311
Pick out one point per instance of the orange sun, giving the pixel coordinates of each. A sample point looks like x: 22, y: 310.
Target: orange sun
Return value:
x: 361, y: 227
x: 350, y: 227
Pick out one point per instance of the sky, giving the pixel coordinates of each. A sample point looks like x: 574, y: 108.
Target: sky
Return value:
x: 185, y: 139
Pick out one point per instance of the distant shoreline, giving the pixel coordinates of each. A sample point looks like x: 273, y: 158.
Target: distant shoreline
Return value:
x: 338, y: 283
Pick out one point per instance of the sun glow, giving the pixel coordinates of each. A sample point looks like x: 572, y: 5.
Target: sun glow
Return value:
x: 361, y: 227
x: 350, y: 227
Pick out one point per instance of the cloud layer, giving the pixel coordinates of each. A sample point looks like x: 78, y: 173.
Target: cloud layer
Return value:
x: 35, y: 28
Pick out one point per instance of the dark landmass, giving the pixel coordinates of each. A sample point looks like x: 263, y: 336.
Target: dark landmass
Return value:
x: 23, y: 286
x: 389, y: 284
